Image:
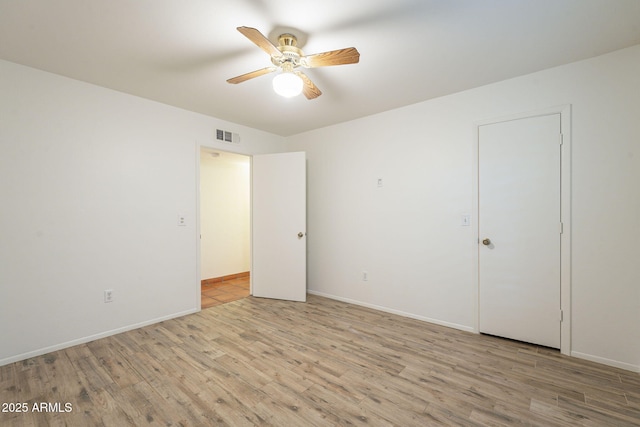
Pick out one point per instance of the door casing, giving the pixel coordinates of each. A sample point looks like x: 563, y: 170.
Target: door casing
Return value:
x: 565, y: 216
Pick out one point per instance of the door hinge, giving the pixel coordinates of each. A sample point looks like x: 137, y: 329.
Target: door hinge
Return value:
x: 561, y: 139
x: 561, y: 316
x: 561, y: 228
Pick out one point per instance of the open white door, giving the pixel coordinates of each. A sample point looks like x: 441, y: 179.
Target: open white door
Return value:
x: 520, y: 229
x: 279, y: 242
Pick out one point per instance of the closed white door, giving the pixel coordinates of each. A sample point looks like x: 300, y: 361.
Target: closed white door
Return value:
x: 519, y: 229
x: 279, y: 249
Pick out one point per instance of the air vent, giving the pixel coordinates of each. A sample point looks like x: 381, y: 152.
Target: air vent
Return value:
x: 228, y: 137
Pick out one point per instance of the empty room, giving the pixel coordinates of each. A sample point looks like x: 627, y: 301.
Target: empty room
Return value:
x: 304, y: 213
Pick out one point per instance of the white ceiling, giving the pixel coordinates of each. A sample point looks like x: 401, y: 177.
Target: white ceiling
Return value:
x: 180, y: 52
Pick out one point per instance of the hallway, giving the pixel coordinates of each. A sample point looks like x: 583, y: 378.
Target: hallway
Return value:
x: 222, y: 291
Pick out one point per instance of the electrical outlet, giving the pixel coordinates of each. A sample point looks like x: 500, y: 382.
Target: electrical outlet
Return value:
x: 365, y: 276
x: 182, y: 220
x: 108, y: 295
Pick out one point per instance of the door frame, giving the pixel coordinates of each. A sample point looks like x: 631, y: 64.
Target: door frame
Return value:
x: 565, y: 216
x: 199, y: 147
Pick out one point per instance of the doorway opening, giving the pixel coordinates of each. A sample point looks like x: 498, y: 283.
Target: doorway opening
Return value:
x: 225, y: 218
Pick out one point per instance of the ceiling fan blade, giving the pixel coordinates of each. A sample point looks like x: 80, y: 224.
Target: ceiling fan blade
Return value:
x: 348, y: 55
x: 251, y: 75
x: 261, y: 41
x: 309, y: 90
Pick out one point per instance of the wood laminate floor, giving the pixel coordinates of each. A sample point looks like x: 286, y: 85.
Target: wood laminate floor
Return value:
x: 321, y: 363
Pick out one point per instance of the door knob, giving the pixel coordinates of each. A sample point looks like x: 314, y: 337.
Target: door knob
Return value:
x: 300, y: 235
x: 486, y: 242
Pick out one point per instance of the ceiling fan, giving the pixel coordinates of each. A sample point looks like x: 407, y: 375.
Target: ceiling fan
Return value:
x: 289, y: 58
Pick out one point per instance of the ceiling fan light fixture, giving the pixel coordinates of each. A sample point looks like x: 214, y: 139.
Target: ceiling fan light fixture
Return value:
x: 288, y: 57
x: 287, y: 84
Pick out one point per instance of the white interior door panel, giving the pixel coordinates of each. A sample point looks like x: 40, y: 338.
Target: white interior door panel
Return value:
x: 519, y: 229
x: 279, y: 250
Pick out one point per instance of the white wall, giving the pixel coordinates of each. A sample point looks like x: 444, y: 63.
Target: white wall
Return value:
x: 225, y: 206
x: 91, y: 183
x: 407, y: 234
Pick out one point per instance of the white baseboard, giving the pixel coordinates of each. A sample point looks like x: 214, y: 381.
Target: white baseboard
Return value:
x: 83, y: 340
x: 605, y: 361
x: 392, y: 311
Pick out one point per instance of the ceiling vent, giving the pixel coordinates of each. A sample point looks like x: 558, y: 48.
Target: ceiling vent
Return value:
x: 228, y: 137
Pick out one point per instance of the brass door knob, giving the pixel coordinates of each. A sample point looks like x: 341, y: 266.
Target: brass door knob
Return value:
x: 486, y: 242
x: 300, y: 235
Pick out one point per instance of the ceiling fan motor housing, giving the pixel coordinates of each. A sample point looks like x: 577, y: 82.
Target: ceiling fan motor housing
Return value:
x: 287, y: 40
x: 291, y: 54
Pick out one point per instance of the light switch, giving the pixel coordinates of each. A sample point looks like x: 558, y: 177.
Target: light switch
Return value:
x: 466, y: 220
